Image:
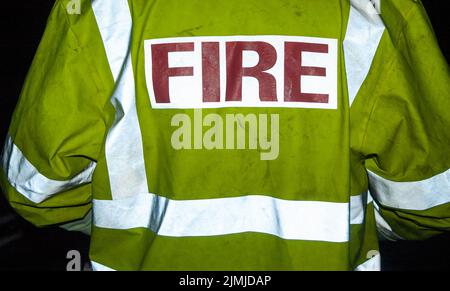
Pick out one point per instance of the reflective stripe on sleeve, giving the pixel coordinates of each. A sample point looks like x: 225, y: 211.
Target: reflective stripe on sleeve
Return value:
x: 27, y: 180
x: 419, y: 195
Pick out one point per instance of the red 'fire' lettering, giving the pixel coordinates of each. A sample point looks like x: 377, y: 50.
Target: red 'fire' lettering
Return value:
x: 293, y: 70
x: 235, y: 71
x: 161, y: 71
x: 211, y: 71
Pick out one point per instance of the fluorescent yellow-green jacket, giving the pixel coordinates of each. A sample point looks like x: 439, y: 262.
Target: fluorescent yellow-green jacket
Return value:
x: 234, y: 134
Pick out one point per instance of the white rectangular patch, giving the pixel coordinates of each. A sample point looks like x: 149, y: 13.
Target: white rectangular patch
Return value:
x: 242, y: 71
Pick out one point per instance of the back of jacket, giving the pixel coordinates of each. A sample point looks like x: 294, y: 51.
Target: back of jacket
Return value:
x: 234, y: 135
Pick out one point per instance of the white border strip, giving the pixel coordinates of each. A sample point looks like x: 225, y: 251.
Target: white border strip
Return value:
x: 420, y: 195
x: 364, y: 31
x: 124, y: 149
x: 295, y: 220
x: 27, y: 180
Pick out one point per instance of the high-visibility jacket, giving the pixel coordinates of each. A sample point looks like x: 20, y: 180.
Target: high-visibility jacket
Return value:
x: 234, y: 134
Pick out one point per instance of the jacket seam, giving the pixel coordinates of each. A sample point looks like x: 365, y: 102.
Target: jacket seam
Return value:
x: 391, y: 61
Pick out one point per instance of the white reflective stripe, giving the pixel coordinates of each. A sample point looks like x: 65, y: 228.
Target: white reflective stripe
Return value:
x: 368, y: 8
x: 372, y: 264
x: 420, y: 195
x: 83, y: 225
x: 377, y: 4
x: 357, y: 209
x: 384, y: 229
x: 99, y: 267
x: 364, y: 31
x: 27, y: 180
x: 114, y: 22
x: 358, y: 206
x: 296, y: 220
x: 369, y: 198
x: 124, y: 150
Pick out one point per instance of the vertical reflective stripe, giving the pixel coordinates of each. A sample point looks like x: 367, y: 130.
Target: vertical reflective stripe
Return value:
x: 124, y: 149
x: 364, y: 31
x: 358, y: 206
x: 27, y: 180
x: 372, y: 264
x: 377, y: 4
x: 369, y: 197
x: 357, y: 209
x: 99, y: 267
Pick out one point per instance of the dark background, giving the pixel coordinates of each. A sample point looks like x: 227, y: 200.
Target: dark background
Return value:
x: 23, y: 246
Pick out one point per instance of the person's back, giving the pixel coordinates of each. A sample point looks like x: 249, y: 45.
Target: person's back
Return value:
x: 234, y: 135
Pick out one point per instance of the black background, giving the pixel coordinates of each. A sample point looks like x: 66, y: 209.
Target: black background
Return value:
x: 22, y: 246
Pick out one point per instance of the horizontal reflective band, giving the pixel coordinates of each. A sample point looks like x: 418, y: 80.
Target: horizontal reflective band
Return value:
x: 99, y: 267
x: 419, y: 195
x: 27, y: 180
x: 372, y: 264
x: 295, y: 220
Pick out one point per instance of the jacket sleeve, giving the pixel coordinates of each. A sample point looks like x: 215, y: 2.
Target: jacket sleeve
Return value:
x: 405, y: 134
x: 60, y: 121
